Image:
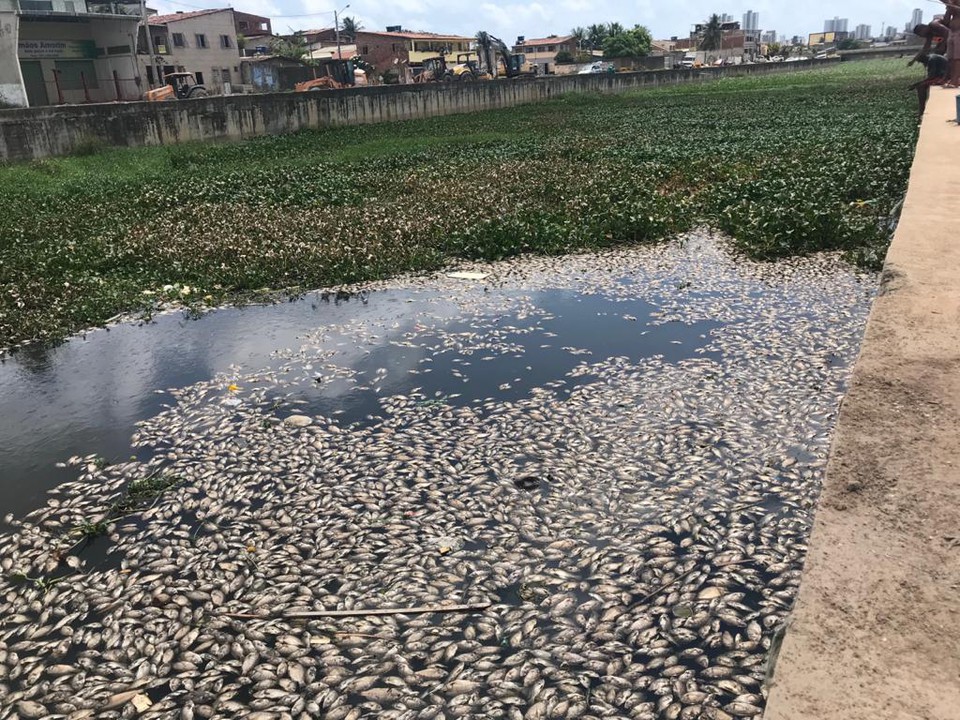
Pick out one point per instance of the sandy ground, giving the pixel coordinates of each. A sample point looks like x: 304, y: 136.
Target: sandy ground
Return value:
x: 876, y: 632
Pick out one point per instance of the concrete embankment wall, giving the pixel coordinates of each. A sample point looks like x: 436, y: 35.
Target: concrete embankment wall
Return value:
x: 32, y: 133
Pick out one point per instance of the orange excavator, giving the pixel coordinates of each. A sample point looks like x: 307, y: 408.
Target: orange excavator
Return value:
x: 321, y: 83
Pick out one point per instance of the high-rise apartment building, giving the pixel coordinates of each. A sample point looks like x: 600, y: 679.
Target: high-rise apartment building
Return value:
x: 751, y: 20
x: 916, y: 18
x: 836, y: 25
x: 862, y: 32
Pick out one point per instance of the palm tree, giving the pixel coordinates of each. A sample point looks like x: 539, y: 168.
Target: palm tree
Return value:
x: 596, y: 34
x: 712, y: 34
x: 580, y: 35
x: 615, y: 28
x: 350, y: 27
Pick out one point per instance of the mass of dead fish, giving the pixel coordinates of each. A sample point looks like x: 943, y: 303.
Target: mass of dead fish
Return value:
x: 636, y: 527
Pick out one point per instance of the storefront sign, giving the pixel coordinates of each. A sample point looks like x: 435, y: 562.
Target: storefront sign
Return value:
x: 56, y: 49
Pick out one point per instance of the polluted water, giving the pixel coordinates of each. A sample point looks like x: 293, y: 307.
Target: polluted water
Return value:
x: 573, y: 487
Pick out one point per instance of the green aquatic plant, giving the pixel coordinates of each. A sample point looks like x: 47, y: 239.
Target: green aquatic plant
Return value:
x: 785, y: 164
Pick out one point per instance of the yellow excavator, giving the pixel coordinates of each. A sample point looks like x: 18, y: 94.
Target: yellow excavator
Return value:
x: 496, y: 60
x: 177, y: 86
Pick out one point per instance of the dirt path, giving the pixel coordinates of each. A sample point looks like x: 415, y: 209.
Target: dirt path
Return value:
x: 876, y: 633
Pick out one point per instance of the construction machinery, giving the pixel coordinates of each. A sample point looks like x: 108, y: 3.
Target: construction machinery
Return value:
x: 321, y: 83
x: 338, y: 74
x: 497, y: 60
x: 177, y: 86
x: 434, y: 70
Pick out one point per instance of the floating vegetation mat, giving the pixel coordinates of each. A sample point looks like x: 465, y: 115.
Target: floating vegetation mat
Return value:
x: 786, y: 164
x: 607, y: 462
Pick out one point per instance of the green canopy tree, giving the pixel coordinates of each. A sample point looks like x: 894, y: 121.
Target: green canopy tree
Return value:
x: 712, y: 34
x: 633, y: 43
x: 596, y: 34
x: 293, y: 47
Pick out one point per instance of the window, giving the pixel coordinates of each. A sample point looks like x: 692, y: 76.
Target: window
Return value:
x: 365, y: 50
x: 201, y: 40
x: 225, y: 74
x: 551, y: 48
x: 225, y: 42
x: 36, y: 5
x: 178, y: 40
x: 199, y: 77
x: 265, y: 27
x: 243, y: 24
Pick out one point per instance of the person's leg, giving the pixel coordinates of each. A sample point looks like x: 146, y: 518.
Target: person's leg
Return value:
x: 953, y: 55
x: 923, y: 94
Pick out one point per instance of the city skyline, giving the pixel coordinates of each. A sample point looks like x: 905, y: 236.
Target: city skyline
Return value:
x: 507, y: 20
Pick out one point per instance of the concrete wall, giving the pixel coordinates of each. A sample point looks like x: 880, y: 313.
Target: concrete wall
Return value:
x: 27, y: 134
x: 11, y: 82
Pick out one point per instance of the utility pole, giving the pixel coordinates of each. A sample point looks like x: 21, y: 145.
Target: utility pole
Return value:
x: 153, y: 57
x: 336, y: 27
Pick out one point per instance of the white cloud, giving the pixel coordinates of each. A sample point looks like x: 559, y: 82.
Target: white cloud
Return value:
x: 540, y: 18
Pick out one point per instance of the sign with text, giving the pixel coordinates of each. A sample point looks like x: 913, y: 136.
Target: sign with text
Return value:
x: 57, y: 49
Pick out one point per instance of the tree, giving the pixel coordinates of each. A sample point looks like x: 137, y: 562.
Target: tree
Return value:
x: 580, y: 35
x: 350, y: 27
x: 774, y: 48
x: 615, y: 28
x: 292, y: 47
x: 565, y: 57
x: 596, y: 34
x: 848, y: 44
x: 712, y: 34
x: 628, y: 44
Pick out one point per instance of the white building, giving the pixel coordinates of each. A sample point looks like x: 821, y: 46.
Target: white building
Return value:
x: 862, y: 32
x: 891, y: 32
x: 751, y: 20
x: 67, y: 51
x: 769, y: 36
x: 916, y: 18
x: 836, y: 25
x: 203, y: 42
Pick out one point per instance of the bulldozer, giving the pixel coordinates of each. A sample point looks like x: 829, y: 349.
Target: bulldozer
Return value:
x: 177, y: 86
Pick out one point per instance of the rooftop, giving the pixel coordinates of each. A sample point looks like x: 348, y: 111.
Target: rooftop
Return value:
x: 173, y: 17
x: 554, y: 40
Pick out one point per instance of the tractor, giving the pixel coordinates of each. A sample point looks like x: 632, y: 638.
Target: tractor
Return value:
x: 177, y: 86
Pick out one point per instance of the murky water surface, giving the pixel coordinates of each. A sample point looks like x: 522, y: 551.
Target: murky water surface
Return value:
x: 615, y: 457
x: 85, y: 396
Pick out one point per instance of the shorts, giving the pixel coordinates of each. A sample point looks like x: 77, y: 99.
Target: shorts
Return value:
x: 937, y: 68
x: 953, y: 45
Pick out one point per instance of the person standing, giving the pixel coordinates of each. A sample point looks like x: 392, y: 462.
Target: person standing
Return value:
x: 951, y: 20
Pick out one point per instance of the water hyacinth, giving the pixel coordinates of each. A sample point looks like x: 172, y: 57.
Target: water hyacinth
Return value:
x: 784, y: 164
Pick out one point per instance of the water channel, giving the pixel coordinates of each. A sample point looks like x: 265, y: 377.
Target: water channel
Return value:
x: 618, y: 456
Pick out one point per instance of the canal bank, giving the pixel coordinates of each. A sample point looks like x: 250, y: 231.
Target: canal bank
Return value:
x: 874, y: 634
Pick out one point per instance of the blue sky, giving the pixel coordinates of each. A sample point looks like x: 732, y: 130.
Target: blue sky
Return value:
x: 544, y: 17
